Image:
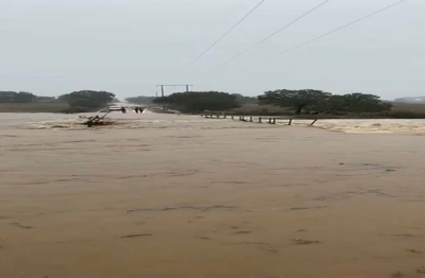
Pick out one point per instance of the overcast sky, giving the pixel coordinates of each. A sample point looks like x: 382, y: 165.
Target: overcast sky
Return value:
x: 52, y: 47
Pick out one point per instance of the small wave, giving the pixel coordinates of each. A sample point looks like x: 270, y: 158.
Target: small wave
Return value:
x: 372, y: 126
x: 169, y: 121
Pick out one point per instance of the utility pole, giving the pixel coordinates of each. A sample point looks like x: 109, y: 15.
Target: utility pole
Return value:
x: 163, y: 89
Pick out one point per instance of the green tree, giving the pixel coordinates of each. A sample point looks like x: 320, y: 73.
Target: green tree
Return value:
x: 242, y: 100
x: 363, y: 103
x: 354, y: 103
x: 299, y: 100
x: 24, y: 97
x: 87, y: 99
x: 7, y: 96
x: 14, y: 97
x: 315, y: 101
x: 197, y: 102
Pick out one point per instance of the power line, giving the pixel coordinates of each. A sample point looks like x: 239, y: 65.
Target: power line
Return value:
x: 227, y: 32
x: 336, y: 30
x: 275, y: 33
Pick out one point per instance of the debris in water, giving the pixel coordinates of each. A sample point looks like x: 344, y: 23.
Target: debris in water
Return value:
x: 22, y: 226
x: 203, y: 237
x: 203, y: 208
x: 270, y: 249
x: 136, y: 235
x: 96, y: 121
x: 302, y: 241
x: 304, y: 208
x: 405, y: 235
x: 414, y: 251
x: 398, y: 275
x: 420, y: 270
x: 243, y: 232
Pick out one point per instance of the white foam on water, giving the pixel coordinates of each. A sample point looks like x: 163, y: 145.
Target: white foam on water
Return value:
x: 172, y: 121
x: 374, y: 126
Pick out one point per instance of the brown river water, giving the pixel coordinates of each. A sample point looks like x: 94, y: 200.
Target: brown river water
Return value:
x: 181, y: 196
x: 152, y: 120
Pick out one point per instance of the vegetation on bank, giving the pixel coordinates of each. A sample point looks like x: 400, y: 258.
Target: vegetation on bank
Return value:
x: 294, y: 103
x: 319, y: 102
x: 87, y: 101
x: 297, y: 102
x: 16, y: 97
x: 75, y: 102
x: 398, y: 111
x: 198, y: 102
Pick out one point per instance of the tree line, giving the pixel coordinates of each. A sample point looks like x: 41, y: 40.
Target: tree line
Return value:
x: 86, y: 100
x: 294, y: 101
x: 78, y: 101
x: 319, y: 102
x: 16, y: 97
x: 298, y: 102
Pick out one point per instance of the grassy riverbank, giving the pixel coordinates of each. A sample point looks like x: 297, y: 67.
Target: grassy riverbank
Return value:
x: 35, y: 107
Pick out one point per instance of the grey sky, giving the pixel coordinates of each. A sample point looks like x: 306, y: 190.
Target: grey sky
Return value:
x: 51, y: 47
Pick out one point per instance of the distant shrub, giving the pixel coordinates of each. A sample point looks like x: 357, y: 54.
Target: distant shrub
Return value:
x: 197, y: 102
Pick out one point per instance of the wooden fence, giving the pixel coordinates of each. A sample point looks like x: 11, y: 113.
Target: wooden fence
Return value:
x: 252, y: 119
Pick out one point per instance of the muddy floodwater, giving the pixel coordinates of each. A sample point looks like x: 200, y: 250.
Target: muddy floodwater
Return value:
x: 163, y: 196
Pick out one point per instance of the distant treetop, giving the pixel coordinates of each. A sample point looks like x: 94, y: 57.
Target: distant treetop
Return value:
x: 319, y: 102
x: 87, y: 99
x: 197, y: 102
x: 15, y: 97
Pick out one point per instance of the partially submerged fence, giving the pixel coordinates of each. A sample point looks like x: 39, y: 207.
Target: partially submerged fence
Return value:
x: 253, y: 119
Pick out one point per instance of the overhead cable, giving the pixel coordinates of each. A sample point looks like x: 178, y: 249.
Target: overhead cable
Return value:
x: 336, y: 30
x: 276, y: 32
x: 226, y: 33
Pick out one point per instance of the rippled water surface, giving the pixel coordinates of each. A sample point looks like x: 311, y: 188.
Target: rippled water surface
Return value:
x: 152, y: 120
x: 181, y: 196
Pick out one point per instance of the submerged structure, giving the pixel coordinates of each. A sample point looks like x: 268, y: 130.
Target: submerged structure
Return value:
x: 98, y: 120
